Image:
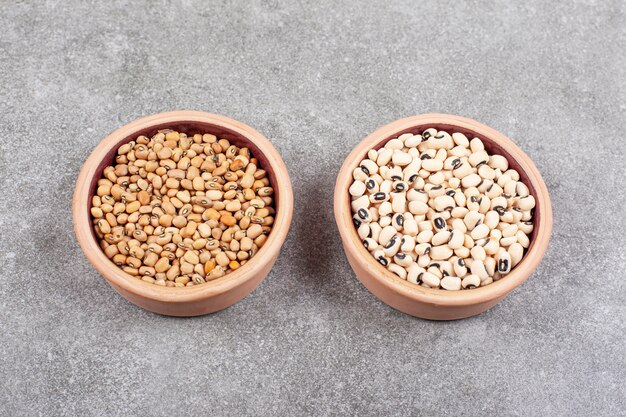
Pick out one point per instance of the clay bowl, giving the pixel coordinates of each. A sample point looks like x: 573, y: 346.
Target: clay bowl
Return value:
x: 429, y: 303
x: 214, y: 295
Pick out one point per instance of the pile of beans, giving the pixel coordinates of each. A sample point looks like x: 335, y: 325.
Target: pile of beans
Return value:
x: 178, y: 210
x: 439, y: 211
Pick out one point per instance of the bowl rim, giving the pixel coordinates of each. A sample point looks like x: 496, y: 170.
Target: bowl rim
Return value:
x: 117, y: 277
x: 355, y: 249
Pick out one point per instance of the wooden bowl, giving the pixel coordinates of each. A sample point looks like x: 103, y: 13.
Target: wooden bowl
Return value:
x: 430, y: 303
x: 211, y: 296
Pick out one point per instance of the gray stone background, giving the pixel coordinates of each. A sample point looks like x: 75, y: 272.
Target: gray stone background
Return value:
x: 315, y: 79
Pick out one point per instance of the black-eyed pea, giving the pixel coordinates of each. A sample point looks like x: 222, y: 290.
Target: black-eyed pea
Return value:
x: 509, y: 230
x: 371, y: 244
x: 472, y: 219
x: 422, y: 249
x: 459, y: 224
x: 471, y: 180
x: 440, y: 238
x: 492, y: 219
x: 463, y: 170
x: 386, y: 234
x: 522, y: 239
x: 480, y: 231
x: 470, y: 281
x: 397, y: 270
x: 363, y: 231
x: 407, y: 244
x: 430, y: 280
x: 503, y: 262
x: 517, y: 215
x: 444, y: 202
x: 451, y: 283
x: 392, y: 247
x: 459, y: 267
x: 424, y: 236
x: 478, y: 253
x: 516, y: 251
x: 410, y: 225
x: 526, y: 203
x: 510, y: 188
x: 478, y: 268
x: 462, y: 252
x: 440, y: 253
x: 414, y: 273
x: 385, y: 221
x: 492, y: 246
x: 456, y: 238
x: 402, y: 260
x: 508, y: 241
x: 526, y: 227
x: 498, y: 162
x: 490, y: 266
x: 486, y: 172
x: 423, y: 261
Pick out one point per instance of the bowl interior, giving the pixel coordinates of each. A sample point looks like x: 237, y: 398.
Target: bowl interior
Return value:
x: 493, y: 147
x: 190, y: 128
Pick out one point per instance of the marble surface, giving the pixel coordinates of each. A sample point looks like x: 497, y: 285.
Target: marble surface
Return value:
x: 315, y: 79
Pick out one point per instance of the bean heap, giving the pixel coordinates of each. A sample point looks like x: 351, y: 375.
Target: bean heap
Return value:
x: 439, y: 211
x: 178, y: 210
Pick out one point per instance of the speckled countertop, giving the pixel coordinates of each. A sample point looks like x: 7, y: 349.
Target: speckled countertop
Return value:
x: 315, y: 79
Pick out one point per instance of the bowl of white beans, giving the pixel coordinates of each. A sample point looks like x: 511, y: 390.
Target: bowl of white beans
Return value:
x: 183, y: 213
x: 440, y: 216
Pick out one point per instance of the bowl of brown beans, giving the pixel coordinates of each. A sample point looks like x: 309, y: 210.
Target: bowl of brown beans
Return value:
x: 440, y: 216
x: 183, y: 213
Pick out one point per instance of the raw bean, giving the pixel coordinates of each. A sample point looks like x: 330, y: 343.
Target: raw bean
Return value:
x: 451, y: 283
x: 422, y: 248
x: 432, y: 165
x: 357, y: 189
x: 414, y: 273
x: 440, y: 252
x: 503, y: 260
x: 444, y: 202
x: 471, y: 281
x: 478, y: 268
x: 490, y: 266
x: 478, y: 253
x: 441, y: 238
x: 526, y: 203
x: 480, y: 231
x: 439, y: 222
x: 398, y: 270
x: 456, y: 239
x: 460, y: 269
x: 430, y: 280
